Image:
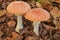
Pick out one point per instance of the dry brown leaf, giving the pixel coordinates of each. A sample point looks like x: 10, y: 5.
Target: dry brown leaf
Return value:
x: 4, y: 5
x: 1, y: 33
x: 2, y: 12
x: 48, y: 27
x: 46, y: 1
x: 46, y: 6
x: 32, y: 4
x: 30, y: 38
x: 9, y: 14
x: 55, y: 12
x: 1, y: 26
x: 52, y: 0
x: 20, y: 37
x: 0, y: 0
x: 58, y: 1
x: 38, y: 5
x: 57, y: 25
x: 49, y: 20
x: 14, y: 35
x: 11, y: 23
x: 2, y: 19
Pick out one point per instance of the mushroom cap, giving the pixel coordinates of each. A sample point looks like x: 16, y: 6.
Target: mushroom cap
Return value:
x: 18, y: 7
x: 37, y: 14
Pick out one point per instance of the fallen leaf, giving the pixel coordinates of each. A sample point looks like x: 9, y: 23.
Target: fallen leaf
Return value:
x: 1, y: 26
x: 4, y: 5
x: 48, y: 27
x: 51, y: 0
x: 11, y: 23
x: 49, y: 20
x: 3, y: 19
x: 1, y: 33
x: 32, y: 4
x: 39, y: 0
x: 0, y: 0
x: 2, y: 12
x: 30, y: 38
x: 15, y: 35
x: 9, y: 14
x: 46, y: 6
x: 38, y: 5
x: 20, y: 37
x: 58, y: 1
x: 45, y: 1
x: 57, y: 25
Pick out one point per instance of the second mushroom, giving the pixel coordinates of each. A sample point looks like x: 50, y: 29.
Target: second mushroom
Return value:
x: 18, y: 8
x: 37, y: 15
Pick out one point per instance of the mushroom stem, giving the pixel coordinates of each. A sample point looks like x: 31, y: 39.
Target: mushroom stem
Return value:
x: 36, y: 27
x: 19, y: 23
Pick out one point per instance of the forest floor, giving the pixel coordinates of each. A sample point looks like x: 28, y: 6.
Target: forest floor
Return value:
x: 48, y: 30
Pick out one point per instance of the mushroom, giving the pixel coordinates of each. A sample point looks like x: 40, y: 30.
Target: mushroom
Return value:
x: 37, y: 15
x: 18, y: 8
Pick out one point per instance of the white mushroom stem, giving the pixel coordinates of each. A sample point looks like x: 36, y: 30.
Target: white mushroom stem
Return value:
x: 19, y: 23
x: 36, y: 27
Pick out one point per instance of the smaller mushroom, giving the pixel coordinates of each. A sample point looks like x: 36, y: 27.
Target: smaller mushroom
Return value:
x: 18, y: 8
x: 55, y: 12
x: 37, y: 15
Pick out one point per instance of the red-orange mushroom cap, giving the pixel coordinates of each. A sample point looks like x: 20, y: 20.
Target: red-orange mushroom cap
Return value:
x: 37, y: 14
x: 18, y: 7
